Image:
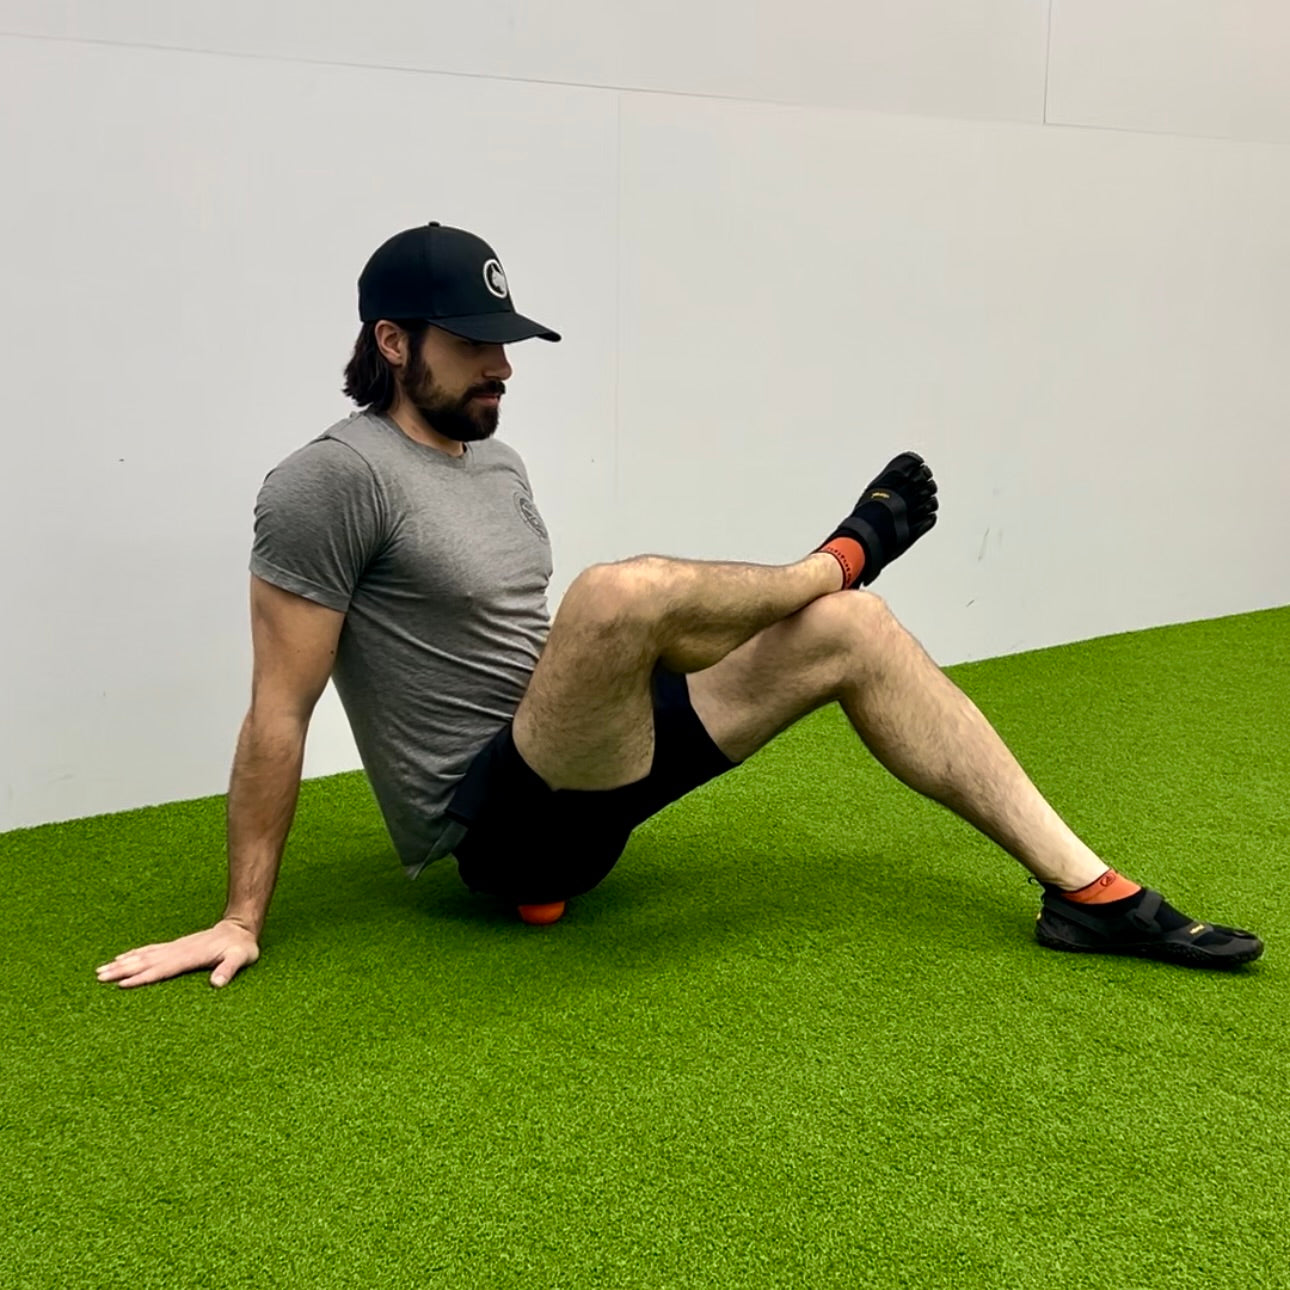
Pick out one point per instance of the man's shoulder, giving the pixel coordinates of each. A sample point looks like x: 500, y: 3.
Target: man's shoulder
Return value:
x: 369, y: 435
x: 359, y: 445
x: 361, y: 431
x: 497, y: 452
x: 343, y: 459
x: 363, y: 442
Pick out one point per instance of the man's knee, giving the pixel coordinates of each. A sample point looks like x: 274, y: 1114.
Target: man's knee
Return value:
x: 618, y: 595
x: 857, y: 625
x: 845, y: 613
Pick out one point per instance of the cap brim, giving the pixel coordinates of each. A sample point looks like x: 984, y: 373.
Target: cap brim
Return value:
x: 496, y: 329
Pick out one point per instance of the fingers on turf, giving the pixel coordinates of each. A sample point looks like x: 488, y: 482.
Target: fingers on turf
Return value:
x: 228, y: 967
x: 146, y: 977
x: 126, y: 958
x: 140, y: 967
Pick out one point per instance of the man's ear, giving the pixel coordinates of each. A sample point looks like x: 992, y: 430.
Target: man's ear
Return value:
x: 392, y: 341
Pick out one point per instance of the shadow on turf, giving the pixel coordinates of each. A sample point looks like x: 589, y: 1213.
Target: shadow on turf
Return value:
x: 699, y: 898
x: 861, y: 903
x: 692, y: 901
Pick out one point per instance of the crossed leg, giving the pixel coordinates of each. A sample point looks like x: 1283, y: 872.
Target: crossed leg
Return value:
x: 764, y: 646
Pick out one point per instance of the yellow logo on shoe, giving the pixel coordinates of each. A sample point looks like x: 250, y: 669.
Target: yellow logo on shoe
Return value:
x: 1200, y: 927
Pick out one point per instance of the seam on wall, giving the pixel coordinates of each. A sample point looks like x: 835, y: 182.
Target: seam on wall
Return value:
x: 1048, y: 59
x: 680, y: 94
x: 601, y: 87
x: 618, y: 301
x: 1232, y: 140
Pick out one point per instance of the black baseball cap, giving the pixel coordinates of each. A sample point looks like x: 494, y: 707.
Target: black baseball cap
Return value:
x: 449, y: 277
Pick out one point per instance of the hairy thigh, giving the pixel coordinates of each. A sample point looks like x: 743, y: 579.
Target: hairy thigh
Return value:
x: 587, y: 718
x: 786, y: 671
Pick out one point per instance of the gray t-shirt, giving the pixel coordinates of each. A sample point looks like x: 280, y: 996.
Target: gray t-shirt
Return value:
x: 440, y: 565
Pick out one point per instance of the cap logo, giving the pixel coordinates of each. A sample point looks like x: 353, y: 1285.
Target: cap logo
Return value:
x: 495, y: 279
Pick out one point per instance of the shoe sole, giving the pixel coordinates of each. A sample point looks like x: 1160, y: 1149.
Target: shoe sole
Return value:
x: 1164, y: 951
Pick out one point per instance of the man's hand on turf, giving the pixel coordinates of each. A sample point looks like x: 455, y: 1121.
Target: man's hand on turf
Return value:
x: 227, y: 947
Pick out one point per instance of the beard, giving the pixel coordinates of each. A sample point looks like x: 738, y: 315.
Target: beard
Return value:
x: 453, y: 416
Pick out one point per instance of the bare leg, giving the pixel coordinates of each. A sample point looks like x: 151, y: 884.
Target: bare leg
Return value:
x: 586, y: 720
x: 930, y: 735
x: 849, y: 647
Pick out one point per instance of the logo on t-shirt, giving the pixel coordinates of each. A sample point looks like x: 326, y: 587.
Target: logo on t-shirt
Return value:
x: 495, y: 279
x: 529, y: 512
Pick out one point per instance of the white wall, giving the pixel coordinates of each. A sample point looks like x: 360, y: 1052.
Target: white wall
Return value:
x: 973, y: 58
x: 1206, y: 67
x: 1086, y: 333
x: 1083, y: 330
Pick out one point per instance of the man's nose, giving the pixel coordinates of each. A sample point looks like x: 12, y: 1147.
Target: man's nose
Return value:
x: 498, y: 368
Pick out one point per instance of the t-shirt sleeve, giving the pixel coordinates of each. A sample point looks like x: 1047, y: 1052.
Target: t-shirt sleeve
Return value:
x: 319, y: 521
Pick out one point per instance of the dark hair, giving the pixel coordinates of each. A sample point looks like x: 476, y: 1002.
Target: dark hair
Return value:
x: 369, y: 376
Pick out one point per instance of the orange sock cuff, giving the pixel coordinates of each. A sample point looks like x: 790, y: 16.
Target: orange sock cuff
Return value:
x: 1110, y: 886
x: 849, y: 554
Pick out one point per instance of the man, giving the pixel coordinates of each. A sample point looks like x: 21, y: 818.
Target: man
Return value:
x: 401, y: 554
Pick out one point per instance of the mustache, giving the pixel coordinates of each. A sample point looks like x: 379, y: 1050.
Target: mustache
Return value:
x: 491, y: 387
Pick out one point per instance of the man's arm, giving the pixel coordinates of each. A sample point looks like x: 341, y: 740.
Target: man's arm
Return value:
x: 262, y: 796
x: 295, y: 648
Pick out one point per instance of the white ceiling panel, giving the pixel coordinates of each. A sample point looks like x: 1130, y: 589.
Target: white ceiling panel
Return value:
x: 971, y: 58
x: 1199, y: 67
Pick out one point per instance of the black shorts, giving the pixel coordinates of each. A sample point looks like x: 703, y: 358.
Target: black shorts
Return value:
x: 531, y: 844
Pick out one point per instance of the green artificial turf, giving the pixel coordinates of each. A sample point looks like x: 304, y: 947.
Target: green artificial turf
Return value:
x: 801, y: 1036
